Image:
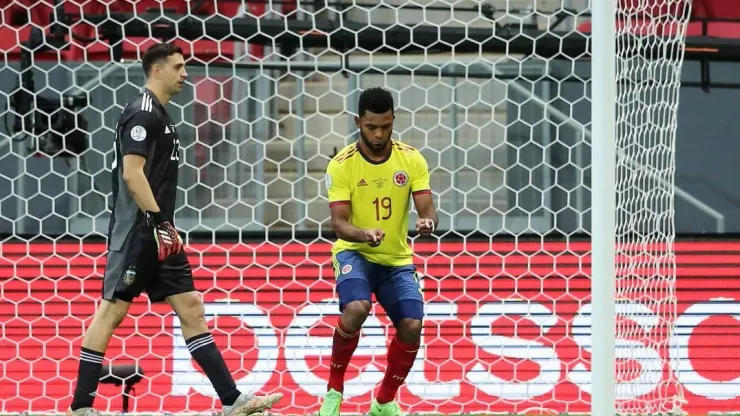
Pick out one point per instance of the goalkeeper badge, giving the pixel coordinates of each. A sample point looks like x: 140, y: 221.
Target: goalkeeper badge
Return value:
x: 138, y: 133
x: 129, y: 276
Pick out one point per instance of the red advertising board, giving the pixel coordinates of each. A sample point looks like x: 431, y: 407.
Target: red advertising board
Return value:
x: 507, y: 328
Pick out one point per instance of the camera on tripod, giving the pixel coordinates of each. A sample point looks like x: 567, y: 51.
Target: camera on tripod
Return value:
x: 56, y: 126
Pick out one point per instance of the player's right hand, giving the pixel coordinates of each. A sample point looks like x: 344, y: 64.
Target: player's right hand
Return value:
x: 168, y: 239
x: 374, y: 237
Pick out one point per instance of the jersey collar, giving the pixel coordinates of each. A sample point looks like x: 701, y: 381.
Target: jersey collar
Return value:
x: 374, y: 162
x: 153, y: 96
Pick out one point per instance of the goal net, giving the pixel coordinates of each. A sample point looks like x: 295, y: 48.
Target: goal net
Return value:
x: 496, y: 97
x: 647, y: 108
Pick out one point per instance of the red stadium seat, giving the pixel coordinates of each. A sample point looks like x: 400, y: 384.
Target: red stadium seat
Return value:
x: 12, y: 33
x: 38, y: 13
x: 651, y: 19
x: 701, y: 9
x: 82, y: 29
x: 721, y: 9
x: 134, y: 47
x: 143, y: 6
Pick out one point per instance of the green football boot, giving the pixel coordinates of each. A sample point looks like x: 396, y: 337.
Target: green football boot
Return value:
x: 386, y: 409
x: 332, y: 403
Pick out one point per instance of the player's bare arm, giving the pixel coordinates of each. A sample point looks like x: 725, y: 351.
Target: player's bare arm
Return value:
x: 137, y: 183
x: 340, y: 215
x: 428, y: 220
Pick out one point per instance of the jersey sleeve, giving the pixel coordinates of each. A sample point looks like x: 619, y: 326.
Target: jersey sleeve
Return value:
x: 336, y: 183
x: 420, y: 176
x: 137, y: 134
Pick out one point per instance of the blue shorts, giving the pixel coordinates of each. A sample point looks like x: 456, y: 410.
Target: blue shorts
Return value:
x: 396, y: 288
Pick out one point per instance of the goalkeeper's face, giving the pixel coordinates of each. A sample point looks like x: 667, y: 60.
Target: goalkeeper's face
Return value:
x: 174, y: 74
x: 376, y: 130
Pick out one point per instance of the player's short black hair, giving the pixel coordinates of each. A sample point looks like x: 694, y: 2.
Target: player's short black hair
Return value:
x: 158, y: 52
x: 375, y: 100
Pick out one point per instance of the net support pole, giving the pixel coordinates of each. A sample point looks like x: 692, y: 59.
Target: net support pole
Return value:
x: 603, y: 206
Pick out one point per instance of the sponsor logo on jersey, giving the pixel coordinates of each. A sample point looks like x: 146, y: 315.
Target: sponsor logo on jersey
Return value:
x: 380, y: 182
x: 167, y: 130
x: 327, y: 181
x: 400, y: 178
x: 362, y: 183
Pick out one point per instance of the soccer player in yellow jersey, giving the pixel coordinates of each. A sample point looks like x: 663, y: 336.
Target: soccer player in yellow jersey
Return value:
x: 370, y: 184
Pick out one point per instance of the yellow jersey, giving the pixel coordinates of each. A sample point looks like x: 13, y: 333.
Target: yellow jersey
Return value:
x: 379, y: 194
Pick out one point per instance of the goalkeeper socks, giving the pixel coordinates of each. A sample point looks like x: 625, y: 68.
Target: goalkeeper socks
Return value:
x: 342, y: 348
x: 400, y: 360
x: 88, y: 377
x: 203, y: 349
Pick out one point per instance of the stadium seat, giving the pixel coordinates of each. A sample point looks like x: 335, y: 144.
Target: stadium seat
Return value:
x: 18, y: 17
x: 82, y: 30
x: 721, y: 9
x: 133, y: 47
x: 649, y: 23
x: 701, y: 9
x: 38, y: 13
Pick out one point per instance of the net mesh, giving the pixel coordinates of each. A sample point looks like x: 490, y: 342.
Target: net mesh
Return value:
x: 505, y: 134
x: 647, y: 107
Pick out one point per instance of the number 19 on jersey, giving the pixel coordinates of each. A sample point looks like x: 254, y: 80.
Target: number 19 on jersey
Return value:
x: 383, y: 208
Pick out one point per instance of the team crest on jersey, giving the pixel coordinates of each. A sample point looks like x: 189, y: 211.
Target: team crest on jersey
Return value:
x: 400, y: 178
x: 327, y: 181
x: 347, y: 268
x: 129, y: 276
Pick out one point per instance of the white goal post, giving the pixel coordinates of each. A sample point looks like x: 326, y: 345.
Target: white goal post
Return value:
x: 603, y: 205
x: 634, y: 102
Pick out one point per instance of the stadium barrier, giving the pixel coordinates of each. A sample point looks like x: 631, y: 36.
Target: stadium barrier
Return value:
x: 507, y: 328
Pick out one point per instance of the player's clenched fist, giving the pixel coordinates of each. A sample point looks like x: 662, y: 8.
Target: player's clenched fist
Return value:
x: 374, y: 237
x: 425, y: 226
x: 168, y: 240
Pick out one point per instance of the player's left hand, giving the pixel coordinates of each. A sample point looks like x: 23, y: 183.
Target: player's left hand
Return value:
x: 168, y: 240
x: 166, y: 236
x: 425, y: 226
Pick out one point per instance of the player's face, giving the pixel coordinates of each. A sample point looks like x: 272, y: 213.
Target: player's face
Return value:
x: 173, y: 73
x: 376, y: 130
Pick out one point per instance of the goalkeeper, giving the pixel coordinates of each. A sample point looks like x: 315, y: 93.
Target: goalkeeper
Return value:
x: 370, y: 184
x: 144, y: 249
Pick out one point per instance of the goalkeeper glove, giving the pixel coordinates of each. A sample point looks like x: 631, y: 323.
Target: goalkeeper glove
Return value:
x: 165, y: 234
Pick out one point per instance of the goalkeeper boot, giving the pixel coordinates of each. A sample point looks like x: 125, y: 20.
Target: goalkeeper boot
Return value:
x: 332, y: 403
x: 83, y: 411
x: 247, y: 404
x: 386, y: 409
